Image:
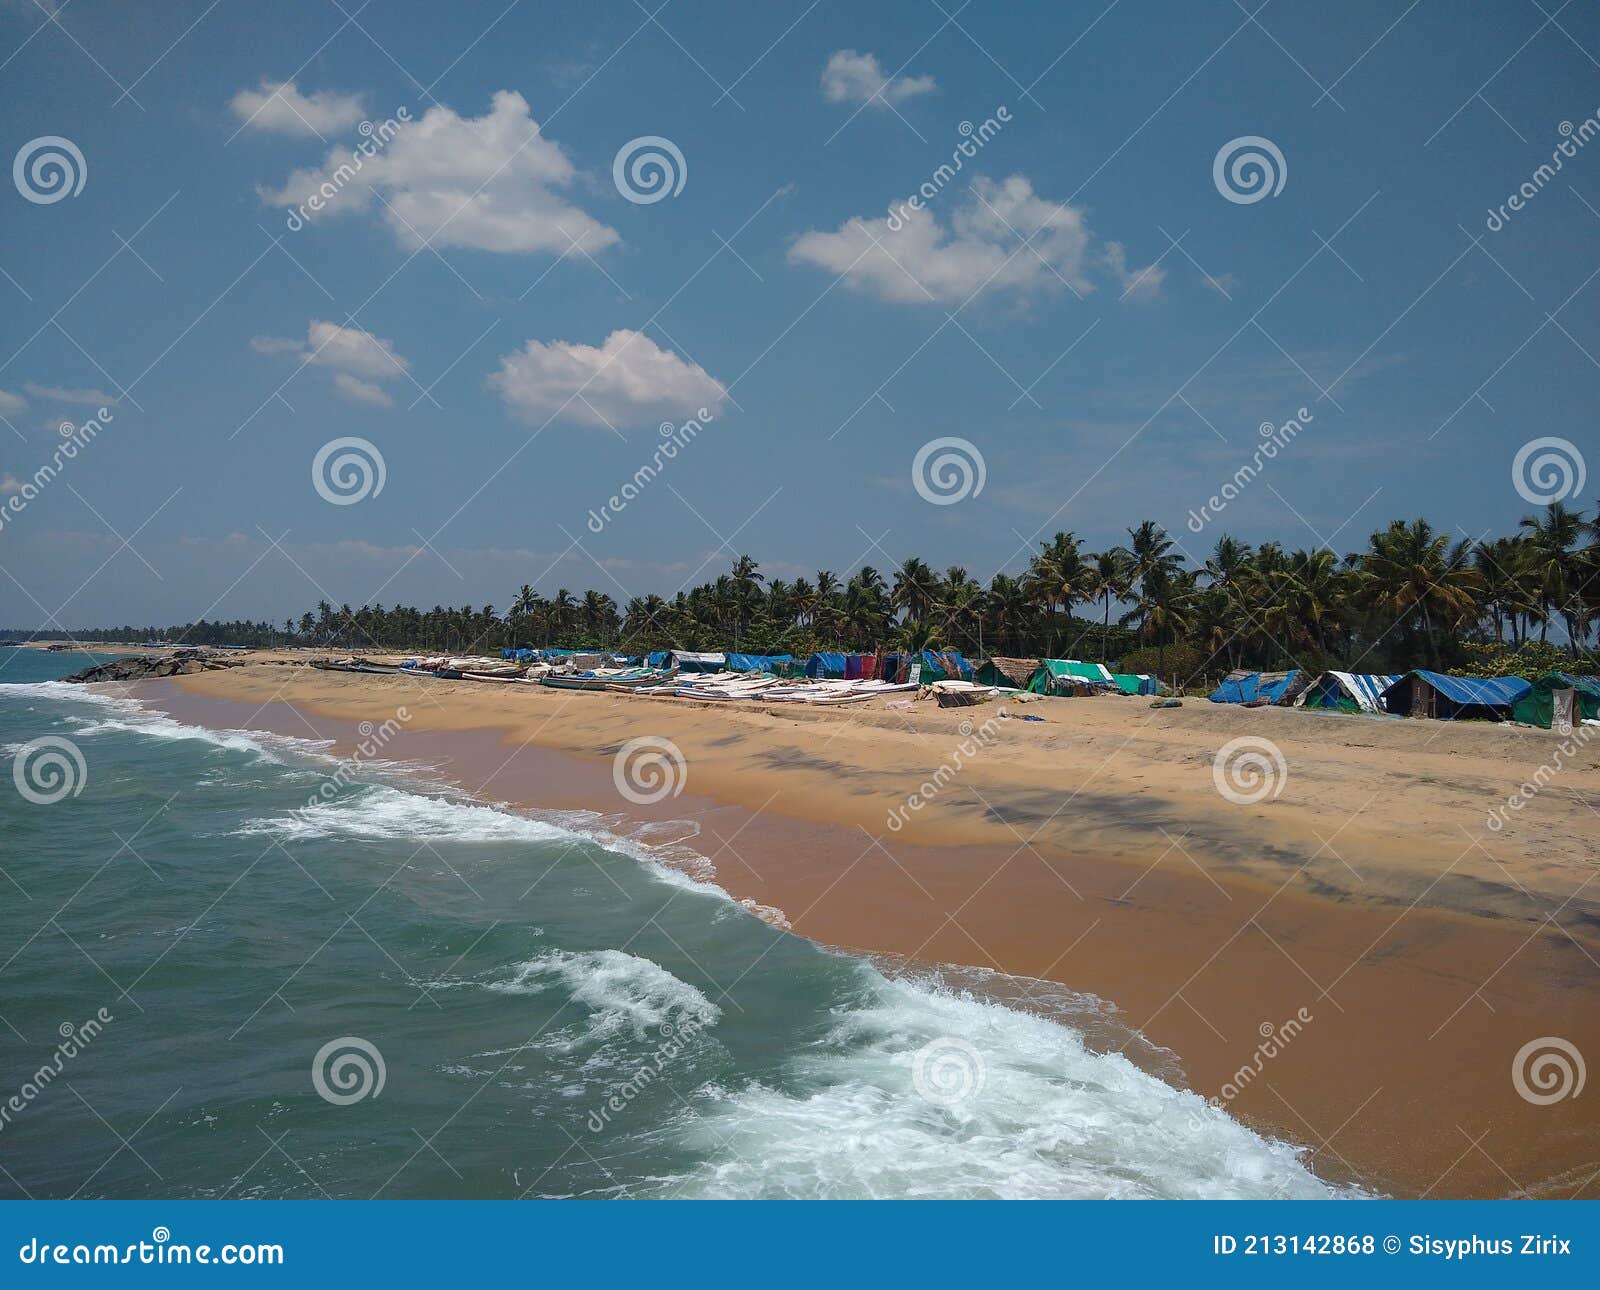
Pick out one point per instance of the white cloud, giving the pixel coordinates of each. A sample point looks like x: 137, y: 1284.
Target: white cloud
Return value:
x: 481, y: 182
x: 12, y: 405
x: 9, y: 484
x: 357, y: 358
x: 627, y: 381
x: 1137, y: 284
x: 851, y: 77
x: 280, y: 107
x: 361, y: 391
x: 88, y: 396
x: 980, y: 251
x: 344, y: 349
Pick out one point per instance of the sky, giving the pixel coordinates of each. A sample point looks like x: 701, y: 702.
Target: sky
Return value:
x: 822, y: 283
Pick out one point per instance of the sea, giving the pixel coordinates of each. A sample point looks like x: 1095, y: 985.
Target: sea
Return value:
x: 233, y: 966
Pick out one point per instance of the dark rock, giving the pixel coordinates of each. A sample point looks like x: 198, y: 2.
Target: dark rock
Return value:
x: 183, y: 662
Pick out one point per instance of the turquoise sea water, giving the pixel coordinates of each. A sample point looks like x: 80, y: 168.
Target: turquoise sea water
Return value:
x: 218, y: 979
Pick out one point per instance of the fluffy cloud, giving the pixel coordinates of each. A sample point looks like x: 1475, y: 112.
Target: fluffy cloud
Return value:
x: 627, y: 381
x: 482, y: 182
x: 357, y: 358
x: 12, y: 405
x: 1137, y: 284
x: 359, y: 391
x: 850, y: 77
x: 280, y: 107
x: 9, y: 484
x: 88, y: 396
x: 912, y: 257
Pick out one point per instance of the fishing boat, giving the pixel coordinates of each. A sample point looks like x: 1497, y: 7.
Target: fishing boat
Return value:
x: 962, y: 694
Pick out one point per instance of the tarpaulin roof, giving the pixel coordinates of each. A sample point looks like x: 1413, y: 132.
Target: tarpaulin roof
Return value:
x: 1364, y: 689
x: 756, y: 662
x: 1072, y: 667
x: 822, y: 663
x: 1470, y: 691
x: 696, y: 656
x: 1246, y: 687
x: 1134, y: 683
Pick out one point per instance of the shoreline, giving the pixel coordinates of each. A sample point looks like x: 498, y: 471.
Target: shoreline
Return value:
x: 1420, y: 991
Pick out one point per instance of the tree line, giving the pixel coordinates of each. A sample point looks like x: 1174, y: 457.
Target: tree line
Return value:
x: 1413, y: 597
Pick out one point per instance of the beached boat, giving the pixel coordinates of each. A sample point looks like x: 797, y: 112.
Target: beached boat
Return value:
x: 962, y: 694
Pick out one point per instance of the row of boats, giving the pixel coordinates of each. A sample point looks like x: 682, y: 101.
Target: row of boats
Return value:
x: 719, y: 687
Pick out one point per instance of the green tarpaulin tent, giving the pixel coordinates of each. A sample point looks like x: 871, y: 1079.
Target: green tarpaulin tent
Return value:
x: 1068, y: 676
x: 1559, y: 699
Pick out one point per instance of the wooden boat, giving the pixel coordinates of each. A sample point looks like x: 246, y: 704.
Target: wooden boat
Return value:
x: 962, y: 694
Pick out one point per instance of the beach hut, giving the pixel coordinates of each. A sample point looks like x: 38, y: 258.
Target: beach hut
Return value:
x: 1346, y: 692
x: 1008, y: 673
x: 1421, y: 693
x: 688, y: 660
x: 1260, y: 687
x: 1559, y: 700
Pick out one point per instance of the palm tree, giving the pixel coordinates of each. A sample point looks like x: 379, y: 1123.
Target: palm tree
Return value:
x: 916, y: 589
x: 1553, y: 561
x: 1421, y: 580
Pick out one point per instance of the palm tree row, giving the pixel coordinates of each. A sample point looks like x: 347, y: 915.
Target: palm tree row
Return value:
x: 1414, y: 596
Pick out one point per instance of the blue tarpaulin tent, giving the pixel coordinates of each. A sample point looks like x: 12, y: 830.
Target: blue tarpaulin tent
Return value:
x: 757, y: 662
x: 1246, y: 687
x: 830, y: 666
x: 658, y: 659
x: 1421, y: 693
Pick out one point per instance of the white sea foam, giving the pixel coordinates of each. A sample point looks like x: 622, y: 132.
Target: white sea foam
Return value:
x: 623, y: 992
x: 1044, y: 1117
x: 379, y: 811
x: 118, y: 714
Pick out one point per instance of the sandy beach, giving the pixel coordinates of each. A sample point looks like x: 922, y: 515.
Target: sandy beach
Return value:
x: 1414, y: 950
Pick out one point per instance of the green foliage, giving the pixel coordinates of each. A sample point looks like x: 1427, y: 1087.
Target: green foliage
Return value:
x: 1530, y: 660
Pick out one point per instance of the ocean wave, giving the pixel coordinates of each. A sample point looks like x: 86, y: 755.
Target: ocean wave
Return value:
x: 623, y: 992
x: 923, y: 1092
x: 381, y: 812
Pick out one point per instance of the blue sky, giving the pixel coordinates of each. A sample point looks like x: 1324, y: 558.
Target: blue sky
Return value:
x: 483, y: 304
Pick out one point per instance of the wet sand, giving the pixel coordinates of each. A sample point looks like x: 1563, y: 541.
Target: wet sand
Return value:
x: 1092, y: 849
